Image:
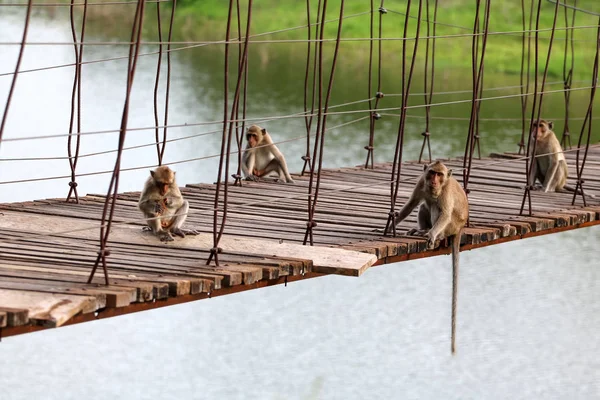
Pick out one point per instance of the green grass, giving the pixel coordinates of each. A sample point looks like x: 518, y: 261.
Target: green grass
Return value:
x: 207, y: 19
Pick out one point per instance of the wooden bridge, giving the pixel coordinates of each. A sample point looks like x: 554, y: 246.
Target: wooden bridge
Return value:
x: 49, y: 247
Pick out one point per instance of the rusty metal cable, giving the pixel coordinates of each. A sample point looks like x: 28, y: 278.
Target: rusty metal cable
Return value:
x: 428, y: 95
x: 75, y: 97
x: 478, y: 62
x: 111, y: 197
x: 156, y: 82
x: 308, y: 117
x: 240, y: 129
x: 321, y: 124
x: 227, y: 136
x: 406, y: 81
x: 565, y: 140
x: 17, y: 66
x: 525, y: 88
x: 373, y: 114
x: 588, y: 120
x: 536, y: 119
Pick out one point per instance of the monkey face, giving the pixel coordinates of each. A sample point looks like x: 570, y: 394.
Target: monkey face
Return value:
x: 435, y: 178
x: 252, y: 139
x: 163, y: 178
x: 540, y: 129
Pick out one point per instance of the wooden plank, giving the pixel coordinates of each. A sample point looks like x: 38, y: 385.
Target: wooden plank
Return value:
x: 15, y: 316
x: 46, y: 309
x: 3, y: 319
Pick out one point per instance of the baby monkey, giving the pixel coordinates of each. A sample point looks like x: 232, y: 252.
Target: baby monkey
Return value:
x: 443, y: 213
x: 162, y: 202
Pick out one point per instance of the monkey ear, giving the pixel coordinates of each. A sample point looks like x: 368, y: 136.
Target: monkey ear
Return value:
x: 263, y: 130
x: 449, y: 173
x: 152, y: 173
x: 425, y: 167
x: 550, y: 125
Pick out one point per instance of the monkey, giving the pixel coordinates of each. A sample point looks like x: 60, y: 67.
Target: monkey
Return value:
x: 161, y: 198
x: 550, y: 166
x: 443, y: 212
x: 262, y: 157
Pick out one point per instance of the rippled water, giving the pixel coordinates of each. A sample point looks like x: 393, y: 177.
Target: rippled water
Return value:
x: 528, y: 316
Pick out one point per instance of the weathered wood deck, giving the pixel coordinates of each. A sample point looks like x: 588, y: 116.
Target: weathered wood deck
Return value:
x: 43, y: 275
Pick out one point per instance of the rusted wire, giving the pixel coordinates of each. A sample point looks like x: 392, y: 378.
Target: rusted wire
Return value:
x: 536, y: 119
x: 374, y: 115
x: 308, y: 117
x: 227, y: 136
x: 478, y: 62
x: 406, y: 81
x: 321, y: 124
x: 76, y: 93
x: 525, y: 88
x: 111, y: 197
x: 16, y: 73
x: 428, y: 96
x: 161, y: 143
x: 240, y: 129
x: 565, y: 140
x: 588, y: 120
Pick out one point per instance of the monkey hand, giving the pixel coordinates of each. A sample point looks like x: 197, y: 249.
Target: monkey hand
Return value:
x: 165, y: 237
x: 252, y: 178
x: 432, y: 242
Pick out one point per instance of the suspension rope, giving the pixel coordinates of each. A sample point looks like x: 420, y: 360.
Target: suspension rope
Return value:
x: 406, y: 81
x: 321, y: 123
x: 227, y: 136
x: 588, y: 120
x: 111, y: 197
x: 428, y: 96
x: 76, y: 92
x: 308, y: 117
x: 525, y: 88
x: 240, y: 129
x: 374, y: 115
x: 16, y: 73
x: 478, y: 63
x: 534, y: 119
x: 568, y: 76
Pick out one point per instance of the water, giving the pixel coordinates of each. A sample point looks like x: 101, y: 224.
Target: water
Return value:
x: 529, y: 311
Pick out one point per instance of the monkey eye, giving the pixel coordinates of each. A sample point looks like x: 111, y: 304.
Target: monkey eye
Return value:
x: 249, y: 135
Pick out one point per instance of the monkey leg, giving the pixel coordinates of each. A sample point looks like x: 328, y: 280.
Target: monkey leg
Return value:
x: 179, y: 219
x: 424, y: 218
x: 273, y: 166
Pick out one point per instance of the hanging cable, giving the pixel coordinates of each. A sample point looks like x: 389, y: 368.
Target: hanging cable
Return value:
x: 536, y: 119
x: 76, y: 93
x: 525, y: 88
x: 373, y: 114
x: 428, y: 96
x: 406, y: 81
x: 113, y: 188
x: 16, y: 73
x: 227, y: 137
x: 565, y: 141
x: 321, y: 124
x: 588, y: 120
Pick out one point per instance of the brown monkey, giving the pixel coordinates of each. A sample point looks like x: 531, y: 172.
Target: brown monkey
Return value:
x: 161, y: 198
x: 443, y: 213
x: 262, y: 157
x: 550, y: 166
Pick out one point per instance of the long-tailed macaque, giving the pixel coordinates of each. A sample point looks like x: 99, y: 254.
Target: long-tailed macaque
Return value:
x: 162, y: 202
x: 550, y: 166
x: 443, y: 213
x: 262, y: 157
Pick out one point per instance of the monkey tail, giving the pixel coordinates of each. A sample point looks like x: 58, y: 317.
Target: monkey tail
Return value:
x: 571, y: 189
x: 455, y: 260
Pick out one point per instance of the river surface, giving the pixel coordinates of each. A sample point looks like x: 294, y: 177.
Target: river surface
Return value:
x: 529, y: 311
